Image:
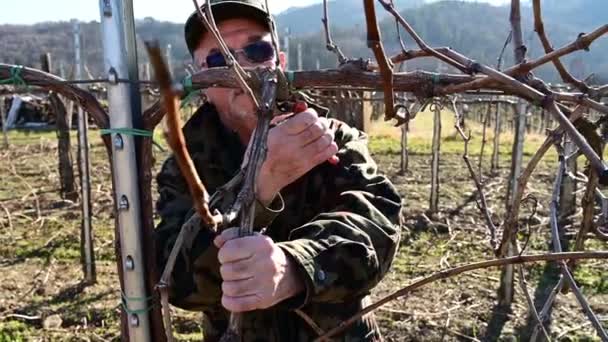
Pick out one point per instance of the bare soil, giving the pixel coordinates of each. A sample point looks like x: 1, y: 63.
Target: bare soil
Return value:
x: 42, y: 299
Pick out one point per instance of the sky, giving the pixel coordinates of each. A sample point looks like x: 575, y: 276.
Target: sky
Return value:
x: 33, y: 11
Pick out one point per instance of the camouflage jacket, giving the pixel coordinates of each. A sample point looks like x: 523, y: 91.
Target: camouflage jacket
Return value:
x: 340, y: 224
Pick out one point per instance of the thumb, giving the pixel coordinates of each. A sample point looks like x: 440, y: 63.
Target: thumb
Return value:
x: 280, y: 118
x: 226, y: 235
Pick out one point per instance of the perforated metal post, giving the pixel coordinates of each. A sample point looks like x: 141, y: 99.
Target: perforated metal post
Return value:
x: 125, y: 108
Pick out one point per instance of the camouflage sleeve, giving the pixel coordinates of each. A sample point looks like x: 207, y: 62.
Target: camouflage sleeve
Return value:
x: 195, y: 280
x: 345, y: 251
x: 196, y: 271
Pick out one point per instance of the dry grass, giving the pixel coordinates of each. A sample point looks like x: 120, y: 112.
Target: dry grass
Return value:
x: 39, y: 250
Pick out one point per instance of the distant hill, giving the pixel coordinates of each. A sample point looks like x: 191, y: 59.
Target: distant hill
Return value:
x: 23, y: 44
x: 342, y: 13
x: 476, y: 29
x: 579, y: 14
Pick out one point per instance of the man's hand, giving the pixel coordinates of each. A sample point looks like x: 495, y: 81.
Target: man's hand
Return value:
x: 256, y: 272
x: 294, y: 148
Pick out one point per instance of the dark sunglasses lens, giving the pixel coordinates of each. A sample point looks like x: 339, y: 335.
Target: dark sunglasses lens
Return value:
x: 215, y: 60
x: 259, y: 52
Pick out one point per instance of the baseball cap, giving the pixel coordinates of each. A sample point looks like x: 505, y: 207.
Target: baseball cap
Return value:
x: 222, y: 10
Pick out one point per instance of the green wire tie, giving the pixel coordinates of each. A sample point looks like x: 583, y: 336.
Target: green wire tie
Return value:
x: 290, y: 78
x: 133, y: 132
x: 125, y: 299
x: 188, y: 98
x: 189, y: 90
x: 187, y: 83
x: 435, y: 79
x: 127, y: 131
x: 16, y: 78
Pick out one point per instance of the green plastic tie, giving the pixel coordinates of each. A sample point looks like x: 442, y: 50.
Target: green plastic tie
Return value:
x: 435, y: 78
x: 16, y: 78
x: 290, y: 78
x: 188, y: 98
x: 127, y: 131
x: 189, y: 90
x: 187, y: 83
x: 126, y: 299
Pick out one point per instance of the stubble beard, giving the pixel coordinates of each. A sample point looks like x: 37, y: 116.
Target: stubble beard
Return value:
x: 242, y: 112
x: 241, y: 108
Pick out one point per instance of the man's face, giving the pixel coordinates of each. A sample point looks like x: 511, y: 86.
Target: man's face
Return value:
x: 237, y: 33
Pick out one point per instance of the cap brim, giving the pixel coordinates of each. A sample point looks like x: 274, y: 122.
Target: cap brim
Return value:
x: 194, y: 28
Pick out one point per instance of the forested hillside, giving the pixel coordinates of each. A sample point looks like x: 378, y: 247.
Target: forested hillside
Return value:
x: 475, y: 29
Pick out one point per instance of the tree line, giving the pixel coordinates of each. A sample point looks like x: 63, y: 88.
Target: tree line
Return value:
x: 474, y: 29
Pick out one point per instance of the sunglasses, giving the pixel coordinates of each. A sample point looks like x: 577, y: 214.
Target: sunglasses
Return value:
x: 257, y: 52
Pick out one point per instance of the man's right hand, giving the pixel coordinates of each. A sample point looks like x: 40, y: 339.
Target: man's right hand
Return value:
x: 294, y: 147
x: 256, y: 272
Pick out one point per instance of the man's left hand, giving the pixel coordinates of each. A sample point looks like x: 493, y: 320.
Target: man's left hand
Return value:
x: 256, y: 273
x: 294, y: 147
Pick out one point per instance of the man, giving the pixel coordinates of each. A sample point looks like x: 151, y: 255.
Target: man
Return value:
x: 331, y: 228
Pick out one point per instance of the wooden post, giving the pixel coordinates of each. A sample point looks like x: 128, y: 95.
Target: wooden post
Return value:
x: 64, y: 153
x: 286, y: 49
x: 519, y: 121
x: 146, y: 71
x: 69, y: 105
x: 84, y: 165
x: 567, y: 197
x: 299, y: 46
x: 4, y: 125
x: 434, y: 199
x: 486, y: 122
x: 506, y: 291
x: 364, y: 120
x: 404, y: 130
x: 404, y: 152
x: 496, y: 141
x: 169, y: 58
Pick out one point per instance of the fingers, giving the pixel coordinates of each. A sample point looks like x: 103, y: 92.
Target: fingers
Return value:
x: 242, y: 303
x: 313, y: 132
x: 239, y: 270
x: 256, y: 282
x: 280, y: 118
x: 290, y: 156
x: 236, y: 255
x: 319, y: 145
x: 237, y: 249
x: 329, y: 154
x: 299, y: 122
x: 243, y: 287
x: 227, y: 234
